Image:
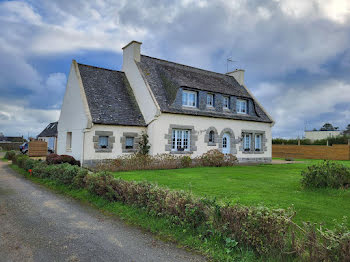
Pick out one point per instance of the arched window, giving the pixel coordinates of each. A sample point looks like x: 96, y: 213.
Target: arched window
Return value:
x: 224, y: 142
x: 211, y: 136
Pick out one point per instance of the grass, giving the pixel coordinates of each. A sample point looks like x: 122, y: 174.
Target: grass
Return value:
x: 275, y: 186
x: 164, y: 229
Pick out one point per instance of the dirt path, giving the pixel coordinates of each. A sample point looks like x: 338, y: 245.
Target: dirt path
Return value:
x: 39, y: 225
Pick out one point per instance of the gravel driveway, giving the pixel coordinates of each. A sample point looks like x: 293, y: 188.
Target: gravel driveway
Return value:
x: 39, y: 225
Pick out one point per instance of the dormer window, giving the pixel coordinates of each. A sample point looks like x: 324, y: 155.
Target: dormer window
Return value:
x: 210, y: 100
x: 226, y: 102
x: 241, y: 106
x: 189, y: 98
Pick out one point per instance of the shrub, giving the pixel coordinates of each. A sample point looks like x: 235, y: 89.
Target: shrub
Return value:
x: 326, y: 174
x: 40, y: 170
x: 186, y: 161
x: 143, y: 144
x: 10, y: 155
x: 54, y: 159
x: 215, y: 158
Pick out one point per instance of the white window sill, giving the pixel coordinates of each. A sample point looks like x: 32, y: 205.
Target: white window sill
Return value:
x: 68, y: 150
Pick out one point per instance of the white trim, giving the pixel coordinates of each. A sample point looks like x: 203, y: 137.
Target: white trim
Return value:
x: 188, y: 93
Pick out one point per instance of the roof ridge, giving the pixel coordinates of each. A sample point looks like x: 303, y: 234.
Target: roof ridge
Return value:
x: 98, y: 67
x: 192, y: 67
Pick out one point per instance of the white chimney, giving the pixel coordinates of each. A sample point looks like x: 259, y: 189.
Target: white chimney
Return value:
x: 238, y: 74
x: 131, y: 52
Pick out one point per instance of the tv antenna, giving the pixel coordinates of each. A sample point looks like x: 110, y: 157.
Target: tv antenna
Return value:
x: 229, y: 60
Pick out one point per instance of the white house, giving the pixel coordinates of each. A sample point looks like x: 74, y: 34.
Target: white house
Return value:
x: 184, y: 110
x: 322, y: 134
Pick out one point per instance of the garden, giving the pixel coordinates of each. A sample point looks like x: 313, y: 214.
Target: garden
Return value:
x: 227, y: 212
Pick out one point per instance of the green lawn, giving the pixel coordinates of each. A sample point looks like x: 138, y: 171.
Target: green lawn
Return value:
x: 270, y: 185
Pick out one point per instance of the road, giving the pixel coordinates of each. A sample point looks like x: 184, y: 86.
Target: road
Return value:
x: 39, y: 225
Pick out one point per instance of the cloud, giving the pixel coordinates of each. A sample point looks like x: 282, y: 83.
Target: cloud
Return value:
x: 291, y: 49
x: 17, y: 119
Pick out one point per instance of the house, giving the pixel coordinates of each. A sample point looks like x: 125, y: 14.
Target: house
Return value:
x: 322, y: 134
x: 184, y: 110
x: 49, y: 135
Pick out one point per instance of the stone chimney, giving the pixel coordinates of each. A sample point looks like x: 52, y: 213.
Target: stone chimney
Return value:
x: 131, y: 52
x: 238, y: 74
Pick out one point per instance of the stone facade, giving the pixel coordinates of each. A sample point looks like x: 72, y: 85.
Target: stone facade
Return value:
x: 193, y: 139
x: 136, y: 142
x: 111, y: 140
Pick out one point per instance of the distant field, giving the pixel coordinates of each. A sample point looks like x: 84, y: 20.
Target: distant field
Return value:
x: 270, y: 185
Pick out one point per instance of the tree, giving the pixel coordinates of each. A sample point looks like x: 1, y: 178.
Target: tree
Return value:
x: 347, y: 130
x: 143, y: 144
x: 327, y: 127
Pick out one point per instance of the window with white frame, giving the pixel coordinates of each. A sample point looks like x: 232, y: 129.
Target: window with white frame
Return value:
x: 129, y: 143
x: 103, y: 141
x: 180, y: 140
x: 210, y: 100
x: 247, y: 141
x: 189, y: 98
x: 226, y: 102
x: 241, y: 106
x: 258, y: 139
x: 69, y: 141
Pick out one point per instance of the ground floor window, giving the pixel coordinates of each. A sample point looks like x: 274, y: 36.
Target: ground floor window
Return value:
x: 258, y: 138
x: 69, y: 141
x: 180, y: 140
x: 129, y: 143
x: 247, y: 141
x: 103, y: 141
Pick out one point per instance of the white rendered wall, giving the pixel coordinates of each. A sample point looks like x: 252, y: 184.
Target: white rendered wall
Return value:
x: 73, y: 117
x: 159, y: 128
x: 315, y: 135
x: 89, y: 151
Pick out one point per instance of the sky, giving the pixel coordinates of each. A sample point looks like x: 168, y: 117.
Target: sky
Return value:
x: 295, y: 53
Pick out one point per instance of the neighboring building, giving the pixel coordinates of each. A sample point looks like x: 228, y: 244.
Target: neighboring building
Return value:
x: 49, y: 134
x: 12, y: 139
x: 184, y: 110
x: 322, y: 134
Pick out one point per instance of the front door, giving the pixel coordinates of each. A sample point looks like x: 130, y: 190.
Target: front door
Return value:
x: 226, y: 144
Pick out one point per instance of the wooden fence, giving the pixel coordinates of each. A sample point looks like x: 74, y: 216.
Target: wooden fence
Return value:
x: 334, y: 152
x: 37, y: 148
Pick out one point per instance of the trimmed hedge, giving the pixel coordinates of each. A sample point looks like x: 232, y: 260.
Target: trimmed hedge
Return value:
x: 10, y: 155
x: 267, y: 231
x: 54, y: 159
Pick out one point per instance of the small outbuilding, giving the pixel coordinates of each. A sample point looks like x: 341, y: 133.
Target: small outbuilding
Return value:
x: 49, y: 135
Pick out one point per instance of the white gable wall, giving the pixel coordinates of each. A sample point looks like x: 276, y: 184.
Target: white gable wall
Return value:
x: 74, y: 117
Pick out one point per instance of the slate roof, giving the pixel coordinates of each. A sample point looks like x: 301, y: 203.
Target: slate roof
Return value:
x: 165, y: 78
x: 50, y: 130
x: 110, y: 97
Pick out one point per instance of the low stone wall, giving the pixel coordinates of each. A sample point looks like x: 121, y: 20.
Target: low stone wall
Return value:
x: 335, y: 152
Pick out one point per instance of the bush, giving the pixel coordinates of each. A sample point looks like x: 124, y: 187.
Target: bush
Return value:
x: 326, y: 174
x: 186, y: 161
x: 54, y: 159
x: 215, y: 158
x: 10, y: 155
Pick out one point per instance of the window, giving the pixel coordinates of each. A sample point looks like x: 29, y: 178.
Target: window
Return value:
x: 189, y: 98
x: 258, y: 138
x: 226, y: 102
x: 103, y: 141
x: 69, y: 141
x: 180, y: 140
x: 129, y: 143
x: 247, y: 141
x: 241, y: 106
x: 210, y: 100
x: 211, y: 136
x: 224, y: 142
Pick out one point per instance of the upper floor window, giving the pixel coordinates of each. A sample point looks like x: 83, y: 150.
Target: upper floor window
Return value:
x: 189, y: 98
x: 181, y: 140
x: 241, y: 106
x: 226, y: 102
x: 210, y: 100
